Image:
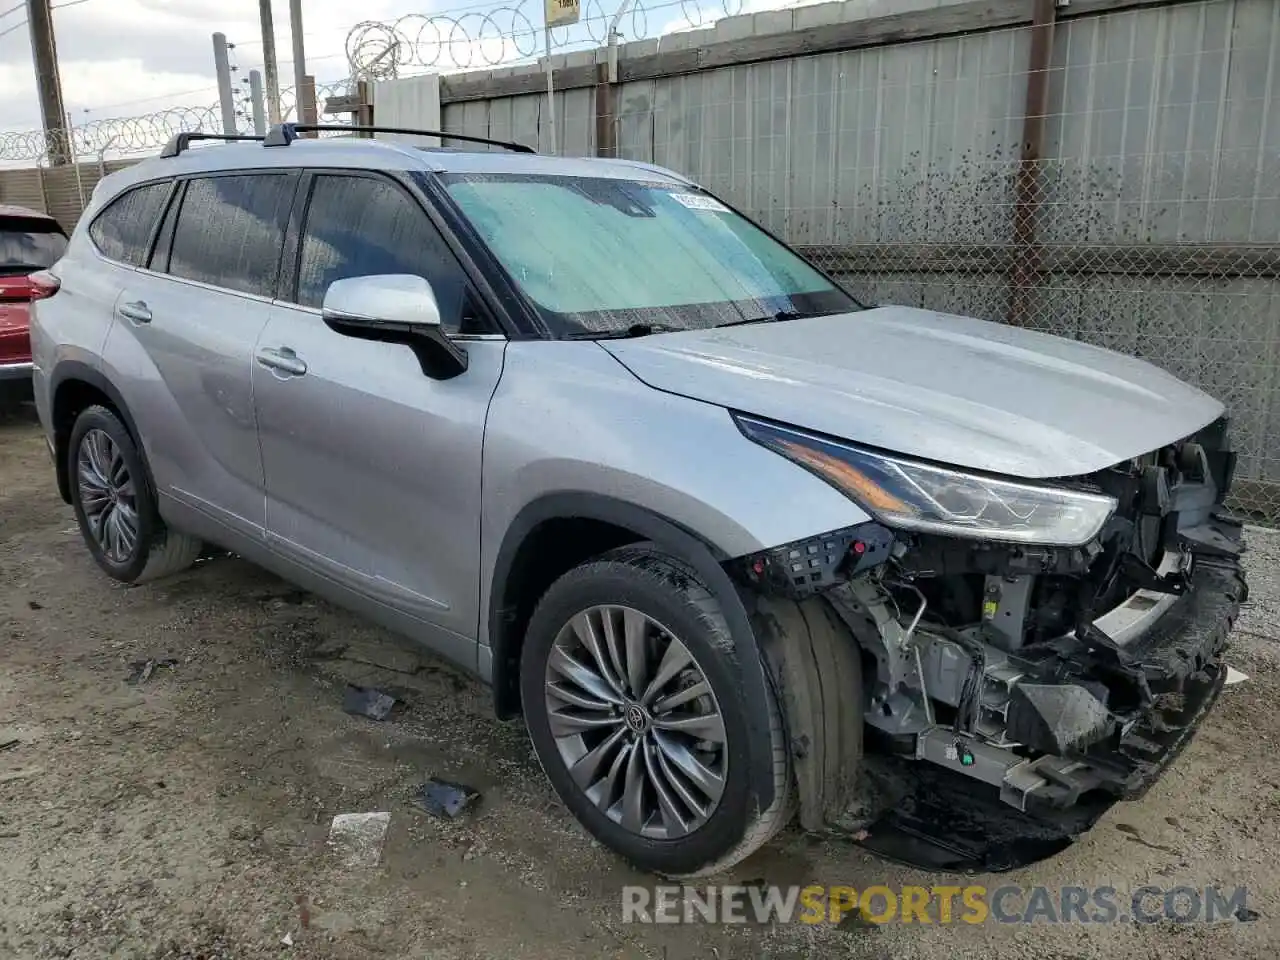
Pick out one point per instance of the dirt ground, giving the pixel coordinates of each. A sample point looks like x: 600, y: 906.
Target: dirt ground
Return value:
x: 186, y: 816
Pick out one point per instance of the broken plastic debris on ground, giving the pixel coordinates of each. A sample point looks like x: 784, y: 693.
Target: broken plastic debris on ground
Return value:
x: 367, y: 702
x: 442, y: 798
x: 141, y: 670
x: 357, y: 838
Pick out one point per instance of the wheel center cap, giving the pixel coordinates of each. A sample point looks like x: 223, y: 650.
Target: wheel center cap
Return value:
x: 637, y: 718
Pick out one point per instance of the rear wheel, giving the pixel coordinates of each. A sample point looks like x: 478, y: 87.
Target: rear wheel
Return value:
x: 115, y: 505
x: 630, y: 690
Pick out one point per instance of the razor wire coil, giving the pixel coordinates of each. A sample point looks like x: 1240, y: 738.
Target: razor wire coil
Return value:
x: 124, y: 136
x: 382, y: 49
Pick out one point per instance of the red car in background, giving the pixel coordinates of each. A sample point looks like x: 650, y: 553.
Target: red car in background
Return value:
x: 29, y: 242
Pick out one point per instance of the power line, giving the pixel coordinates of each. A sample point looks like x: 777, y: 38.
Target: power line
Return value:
x: 159, y: 96
x: 23, y: 22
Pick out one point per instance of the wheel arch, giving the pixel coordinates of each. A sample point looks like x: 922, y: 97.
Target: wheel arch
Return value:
x: 614, y: 522
x: 74, y: 386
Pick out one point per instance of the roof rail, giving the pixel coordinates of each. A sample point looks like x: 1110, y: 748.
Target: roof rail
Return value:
x: 285, y: 133
x: 181, y: 141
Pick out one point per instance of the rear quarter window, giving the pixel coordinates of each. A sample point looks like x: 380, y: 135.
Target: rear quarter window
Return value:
x: 123, y: 230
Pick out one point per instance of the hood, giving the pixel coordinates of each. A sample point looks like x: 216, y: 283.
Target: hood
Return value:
x: 954, y: 390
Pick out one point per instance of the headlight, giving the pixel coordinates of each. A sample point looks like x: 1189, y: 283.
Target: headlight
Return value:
x: 918, y: 496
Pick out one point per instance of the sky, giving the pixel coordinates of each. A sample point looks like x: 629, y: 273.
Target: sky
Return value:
x: 123, y: 58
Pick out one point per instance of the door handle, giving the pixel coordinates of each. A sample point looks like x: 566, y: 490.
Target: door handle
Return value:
x: 136, y: 311
x: 283, y: 359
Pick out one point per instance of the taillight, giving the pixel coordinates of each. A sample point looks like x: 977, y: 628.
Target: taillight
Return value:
x: 43, y: 285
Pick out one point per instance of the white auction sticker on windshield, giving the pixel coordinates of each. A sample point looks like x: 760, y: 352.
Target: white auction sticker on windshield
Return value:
x: 699, y: 201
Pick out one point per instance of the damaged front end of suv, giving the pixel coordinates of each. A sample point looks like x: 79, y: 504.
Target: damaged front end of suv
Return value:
x: 1027, y: 652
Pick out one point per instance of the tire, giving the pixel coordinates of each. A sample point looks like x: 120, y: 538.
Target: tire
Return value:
x: 681, y: 615
x: 153, y: 550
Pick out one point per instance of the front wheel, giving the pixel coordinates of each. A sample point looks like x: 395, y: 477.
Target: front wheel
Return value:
x: 629, y: 680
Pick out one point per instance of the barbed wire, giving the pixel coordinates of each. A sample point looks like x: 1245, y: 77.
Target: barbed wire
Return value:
x: 122, y: 136
x: 117, y: 134
x: 381, y: 49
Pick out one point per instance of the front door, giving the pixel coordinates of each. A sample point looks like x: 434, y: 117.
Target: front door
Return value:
x: 372, y: 467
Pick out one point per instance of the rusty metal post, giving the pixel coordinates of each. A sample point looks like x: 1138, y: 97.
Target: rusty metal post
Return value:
x: 364, y: 101
x: 305, y: 109
x: 1028, y: 185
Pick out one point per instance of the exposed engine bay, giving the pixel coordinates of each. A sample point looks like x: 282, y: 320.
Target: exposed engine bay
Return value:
x: 1062, y: 678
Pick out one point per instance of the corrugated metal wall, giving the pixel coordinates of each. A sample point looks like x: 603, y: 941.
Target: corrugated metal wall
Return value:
x: 57, y: 191
x: 24, y: 188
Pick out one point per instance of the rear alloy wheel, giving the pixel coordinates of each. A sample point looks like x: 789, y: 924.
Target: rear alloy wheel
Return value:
x: 116, y: 506
x: 630, y: 685
x: 108, y: 496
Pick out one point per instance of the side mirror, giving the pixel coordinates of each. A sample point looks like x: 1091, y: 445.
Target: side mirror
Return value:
x: 394, y: 308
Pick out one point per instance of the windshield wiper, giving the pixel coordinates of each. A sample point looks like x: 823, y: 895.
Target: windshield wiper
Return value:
x: 768, y: 318
x: 626, y: 333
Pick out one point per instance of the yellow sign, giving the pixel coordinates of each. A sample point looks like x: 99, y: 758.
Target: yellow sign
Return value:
x: 561, y: 13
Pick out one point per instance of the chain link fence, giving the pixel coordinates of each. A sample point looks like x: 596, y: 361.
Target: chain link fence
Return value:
x: 1076, y: 250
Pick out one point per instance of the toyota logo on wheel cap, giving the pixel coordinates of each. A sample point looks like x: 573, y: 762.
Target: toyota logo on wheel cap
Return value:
x: 637, y: 719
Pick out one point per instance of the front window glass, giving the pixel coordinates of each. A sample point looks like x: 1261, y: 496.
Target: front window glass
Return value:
x: 601, y: 256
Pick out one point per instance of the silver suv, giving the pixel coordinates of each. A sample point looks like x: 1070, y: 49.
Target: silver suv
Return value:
x: 734, y: 545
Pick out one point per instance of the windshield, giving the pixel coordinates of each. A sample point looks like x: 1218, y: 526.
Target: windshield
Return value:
x: 601, y: 257
x: 29, y: 245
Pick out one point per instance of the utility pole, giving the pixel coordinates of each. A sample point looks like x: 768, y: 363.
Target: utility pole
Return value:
x: 256, y: 105
x: 44, y: 53
x: 269, y: 67
x: 299, y: 58
x: 222, y: 69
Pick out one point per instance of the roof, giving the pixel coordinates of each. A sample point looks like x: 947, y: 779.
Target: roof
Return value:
x: 377, y: 154
x: 10, y: 210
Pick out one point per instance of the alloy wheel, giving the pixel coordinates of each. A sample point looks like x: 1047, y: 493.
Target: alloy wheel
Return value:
x: 636, y: 722
x: 107, y: 496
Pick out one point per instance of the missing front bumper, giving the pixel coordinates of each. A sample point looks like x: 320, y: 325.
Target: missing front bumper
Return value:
x: 1180, y: 665
x: 1090, y: 716
x: 937, y: 816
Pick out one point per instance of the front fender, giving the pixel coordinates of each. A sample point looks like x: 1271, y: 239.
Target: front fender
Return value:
x: 568, y: 418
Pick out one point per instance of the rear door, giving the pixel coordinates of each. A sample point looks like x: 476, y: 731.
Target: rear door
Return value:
x: 372, y: 467
x: 185, y: 330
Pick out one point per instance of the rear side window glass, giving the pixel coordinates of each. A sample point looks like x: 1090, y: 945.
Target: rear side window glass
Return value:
x: 124, y: 229
x: 359, y: 227
x: 230, y: 230
x: 28, y: 244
